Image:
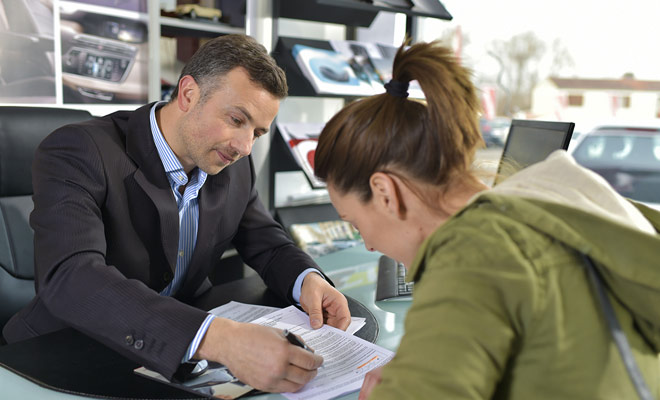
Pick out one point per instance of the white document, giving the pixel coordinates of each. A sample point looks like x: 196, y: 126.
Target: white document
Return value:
x: 346, y: 358
x: 241, y: 312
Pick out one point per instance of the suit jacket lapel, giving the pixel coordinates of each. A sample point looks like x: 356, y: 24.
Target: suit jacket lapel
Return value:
x: 150, y: 177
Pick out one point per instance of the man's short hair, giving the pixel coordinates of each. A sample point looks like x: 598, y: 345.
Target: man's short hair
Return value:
x: 222, y: 54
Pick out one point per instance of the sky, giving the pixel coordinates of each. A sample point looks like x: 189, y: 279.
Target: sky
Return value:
x: 605, y: 38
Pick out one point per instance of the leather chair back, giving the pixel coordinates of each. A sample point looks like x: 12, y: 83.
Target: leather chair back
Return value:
x: 21, y: 131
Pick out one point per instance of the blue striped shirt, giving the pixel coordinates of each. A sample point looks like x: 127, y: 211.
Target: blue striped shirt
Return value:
x: 188, y: 206
x: 188, y: 219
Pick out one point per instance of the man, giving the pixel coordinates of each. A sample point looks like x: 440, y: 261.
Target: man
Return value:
x: 134, y: 209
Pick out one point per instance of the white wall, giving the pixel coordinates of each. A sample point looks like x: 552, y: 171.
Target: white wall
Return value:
x: 545, y: 101
x: 597, y: 104
x: 643, y: 105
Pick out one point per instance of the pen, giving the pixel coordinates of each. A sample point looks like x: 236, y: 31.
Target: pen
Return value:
x: 293, y: 339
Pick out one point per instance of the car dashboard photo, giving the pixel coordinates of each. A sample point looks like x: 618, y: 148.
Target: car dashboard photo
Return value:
x: 104, y: 55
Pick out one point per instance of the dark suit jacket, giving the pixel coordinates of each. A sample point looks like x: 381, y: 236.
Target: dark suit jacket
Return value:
x: 106, y: 234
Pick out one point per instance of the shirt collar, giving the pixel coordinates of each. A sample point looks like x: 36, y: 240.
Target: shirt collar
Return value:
x: 172, y: 165
x: 167, y: 157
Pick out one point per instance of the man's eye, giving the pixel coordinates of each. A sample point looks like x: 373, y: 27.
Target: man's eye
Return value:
x: 236, y: 121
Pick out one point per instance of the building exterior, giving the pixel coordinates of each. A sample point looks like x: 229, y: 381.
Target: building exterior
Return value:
x: 578, y: 99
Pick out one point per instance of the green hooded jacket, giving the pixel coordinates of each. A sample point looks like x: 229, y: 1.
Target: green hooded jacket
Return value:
x: 503, y: 309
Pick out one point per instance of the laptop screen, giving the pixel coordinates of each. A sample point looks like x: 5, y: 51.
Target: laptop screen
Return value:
x: 529, y: 142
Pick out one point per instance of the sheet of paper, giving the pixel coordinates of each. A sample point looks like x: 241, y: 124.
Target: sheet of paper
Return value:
x: 242, y: 312
x: 346, y: 358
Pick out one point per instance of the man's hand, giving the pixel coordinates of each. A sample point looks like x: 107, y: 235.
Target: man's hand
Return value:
x: 259, y: 356
x: 372, y: 379
x: 324, y: 303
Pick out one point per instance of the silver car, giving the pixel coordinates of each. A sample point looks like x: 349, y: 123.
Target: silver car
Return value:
x: 628, y: 157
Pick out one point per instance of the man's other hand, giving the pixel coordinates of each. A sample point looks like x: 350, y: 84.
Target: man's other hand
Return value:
x: 324, y: 303
x: 259, y: 356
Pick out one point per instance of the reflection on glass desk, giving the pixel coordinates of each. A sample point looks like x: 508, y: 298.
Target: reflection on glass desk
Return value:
x: 354, y: 272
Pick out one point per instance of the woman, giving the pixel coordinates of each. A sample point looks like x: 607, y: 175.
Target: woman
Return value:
x: 502, y: 307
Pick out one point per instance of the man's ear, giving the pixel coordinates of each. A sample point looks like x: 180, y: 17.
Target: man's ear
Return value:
x: 386, y: 194
x: 188, y: 93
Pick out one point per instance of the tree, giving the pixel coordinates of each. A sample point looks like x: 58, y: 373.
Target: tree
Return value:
x: 562, y: 60
x: 518, y: 58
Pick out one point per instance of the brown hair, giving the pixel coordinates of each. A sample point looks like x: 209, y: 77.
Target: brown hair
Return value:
x: 222, y: 54
x: 433, y: 142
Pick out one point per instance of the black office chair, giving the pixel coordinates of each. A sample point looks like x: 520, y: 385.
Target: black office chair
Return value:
x: 21, y: 131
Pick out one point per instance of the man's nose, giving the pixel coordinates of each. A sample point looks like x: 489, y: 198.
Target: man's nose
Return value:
x: 243, y: 144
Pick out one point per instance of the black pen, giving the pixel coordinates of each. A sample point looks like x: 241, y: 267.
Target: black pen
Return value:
x: 293, y: 339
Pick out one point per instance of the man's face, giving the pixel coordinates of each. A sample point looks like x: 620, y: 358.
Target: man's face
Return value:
x: 223, y: 128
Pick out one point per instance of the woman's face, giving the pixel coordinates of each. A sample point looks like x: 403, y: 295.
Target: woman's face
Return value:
x: 379, y: 230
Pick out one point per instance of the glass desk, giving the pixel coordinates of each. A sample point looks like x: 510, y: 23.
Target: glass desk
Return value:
x: 353, y: 270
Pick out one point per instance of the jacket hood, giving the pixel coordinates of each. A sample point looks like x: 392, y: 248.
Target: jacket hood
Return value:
x: 619, y: 235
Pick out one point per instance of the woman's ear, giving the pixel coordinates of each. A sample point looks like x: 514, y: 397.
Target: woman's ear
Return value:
x: 188, y: 93
x: 386, y: 194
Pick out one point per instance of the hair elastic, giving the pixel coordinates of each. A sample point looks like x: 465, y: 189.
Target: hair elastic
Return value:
x: 397, y: 89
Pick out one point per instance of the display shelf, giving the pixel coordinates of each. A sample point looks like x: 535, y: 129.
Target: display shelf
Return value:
x: 350, y: 13
x: 281, y: 160
x: 299, y: 85
x: 356, y: 12
x: 174, y: 27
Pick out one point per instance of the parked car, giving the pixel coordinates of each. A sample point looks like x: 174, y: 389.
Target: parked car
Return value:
x: 501, y: 126
x: 494, y: 131
x: 627, y: 156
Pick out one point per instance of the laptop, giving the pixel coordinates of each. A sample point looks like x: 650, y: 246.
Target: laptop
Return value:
x: 528, y: 142
x: 391, y: 281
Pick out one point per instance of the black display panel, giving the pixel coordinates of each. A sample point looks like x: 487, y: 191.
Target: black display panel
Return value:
x: 529, y: 142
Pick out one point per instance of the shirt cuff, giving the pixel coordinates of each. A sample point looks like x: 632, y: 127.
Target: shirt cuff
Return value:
x: 192, y: 349
x: 297, y: 286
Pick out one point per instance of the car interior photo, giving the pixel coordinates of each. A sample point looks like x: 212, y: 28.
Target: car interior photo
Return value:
x: 104, y: 56
x: 26, y: 34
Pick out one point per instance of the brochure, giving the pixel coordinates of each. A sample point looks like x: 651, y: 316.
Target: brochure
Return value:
x: 375, y: 59
x: 364, y: 56
x: 302, y: 138
x: 330, y: 72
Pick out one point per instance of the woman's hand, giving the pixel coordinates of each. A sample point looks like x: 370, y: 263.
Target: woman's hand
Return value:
x: 370, y: 381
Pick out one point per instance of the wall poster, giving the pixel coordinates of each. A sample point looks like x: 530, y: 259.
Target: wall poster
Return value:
x: 27, y: 52
x: 98, y: 56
